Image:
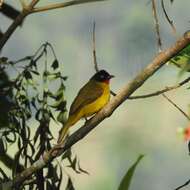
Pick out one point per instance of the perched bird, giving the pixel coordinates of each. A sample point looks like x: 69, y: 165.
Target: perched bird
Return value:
x: 91, y: 98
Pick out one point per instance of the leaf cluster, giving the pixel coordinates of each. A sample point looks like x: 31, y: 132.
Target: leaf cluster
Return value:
x: 31, y: 97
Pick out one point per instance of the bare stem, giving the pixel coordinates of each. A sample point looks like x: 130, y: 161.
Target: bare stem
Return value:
x: 61, y: 5
x: 167, y: 17
x: 94, y: 47
x: 157, y: 27
x: 33, y: 3
x: 185, y: 184
x: 94, y: 52
x: 176, y: 106
x: 160, y: 91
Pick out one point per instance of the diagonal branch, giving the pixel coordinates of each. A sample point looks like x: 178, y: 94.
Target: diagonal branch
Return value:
x: 28, y: 9
x: 107, y: 111
x: 160, y: 91
x: 61, y: 5
x: 33, y: 3
x: 18, y: 21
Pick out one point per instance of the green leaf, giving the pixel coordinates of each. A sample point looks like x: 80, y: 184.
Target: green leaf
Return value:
x: 35, y: 72
x: 3, y: 60
x: 70, y: 185
x: 182, y: 60
x: 55, y: 64
x: 60, y: 106
x: 126, y: 181
x: 67, y: 154
x: 62, y: 117
x: 82, y: 170
x: 27, y: 75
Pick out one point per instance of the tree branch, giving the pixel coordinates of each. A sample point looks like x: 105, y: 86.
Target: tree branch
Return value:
x: 19, y: 19
x: 11, y: 29
x: 28, y: 9
x: 61, y: 5
x: 160, y: 91
x: 107, y: 111
x: 33, y: 3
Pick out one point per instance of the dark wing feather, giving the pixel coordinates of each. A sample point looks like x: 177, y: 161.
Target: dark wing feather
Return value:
x: 87, y: 94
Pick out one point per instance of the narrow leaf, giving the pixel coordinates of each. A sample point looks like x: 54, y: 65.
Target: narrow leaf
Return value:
x: 126, y: 181
x: 70, y: 185
x: 55, y: 64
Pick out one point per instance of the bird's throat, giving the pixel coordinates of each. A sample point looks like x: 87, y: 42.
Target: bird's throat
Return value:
x: 107, y: 81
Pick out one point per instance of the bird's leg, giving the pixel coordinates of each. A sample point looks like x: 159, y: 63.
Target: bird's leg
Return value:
x: 86, y: 120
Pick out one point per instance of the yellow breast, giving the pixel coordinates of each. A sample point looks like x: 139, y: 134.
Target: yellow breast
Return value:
x: 98, y: 104
x: 91, y: 108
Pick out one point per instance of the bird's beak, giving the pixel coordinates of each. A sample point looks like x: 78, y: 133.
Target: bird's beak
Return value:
x: 112, y: 76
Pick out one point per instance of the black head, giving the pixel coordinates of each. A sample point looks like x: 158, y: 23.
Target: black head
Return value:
x: 102, y: 76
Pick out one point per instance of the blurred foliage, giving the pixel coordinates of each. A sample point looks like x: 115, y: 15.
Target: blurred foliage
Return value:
x: 33, y: 91
x: 182, y: 60
x: 126, y: 181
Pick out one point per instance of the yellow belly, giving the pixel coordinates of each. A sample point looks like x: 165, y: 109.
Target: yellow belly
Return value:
x: 92, y: 108
x: 97, y: 105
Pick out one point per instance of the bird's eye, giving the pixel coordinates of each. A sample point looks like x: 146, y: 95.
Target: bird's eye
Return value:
x: 101, y: 76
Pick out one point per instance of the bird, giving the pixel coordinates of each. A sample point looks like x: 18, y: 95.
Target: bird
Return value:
x: 91, y: 98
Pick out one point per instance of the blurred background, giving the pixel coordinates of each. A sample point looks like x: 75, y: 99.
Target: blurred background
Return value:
x: 125, y: 43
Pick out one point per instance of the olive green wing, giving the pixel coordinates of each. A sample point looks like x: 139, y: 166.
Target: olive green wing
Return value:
x: 88, y: 94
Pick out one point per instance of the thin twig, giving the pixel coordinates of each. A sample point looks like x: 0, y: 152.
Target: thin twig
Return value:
x: 94, y: 47
x: 33, y: 4
x: 160, y: 91
x: 61, y: 5
x: 185, y: 184
x: 94, y: 52
x: 157, y: 28
x: 31, y: 9
x: 176, y: 106
x: 167, y: 17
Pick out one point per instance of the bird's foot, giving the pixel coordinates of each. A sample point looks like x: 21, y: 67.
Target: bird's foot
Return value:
x: 86, y: 119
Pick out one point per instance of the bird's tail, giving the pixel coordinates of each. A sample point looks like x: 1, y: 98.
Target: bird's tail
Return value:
x: 63, y: 132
